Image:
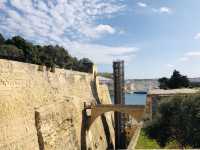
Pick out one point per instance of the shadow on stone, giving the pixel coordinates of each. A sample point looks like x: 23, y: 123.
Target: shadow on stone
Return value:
x: 107, y: 132
x: 83, y: 130
x: 38, y: 129
x: 94, y: 91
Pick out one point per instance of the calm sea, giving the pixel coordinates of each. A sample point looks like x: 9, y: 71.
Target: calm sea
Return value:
x: 134, y: 99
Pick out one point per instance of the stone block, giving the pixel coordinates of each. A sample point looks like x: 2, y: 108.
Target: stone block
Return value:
x: 55, y: 127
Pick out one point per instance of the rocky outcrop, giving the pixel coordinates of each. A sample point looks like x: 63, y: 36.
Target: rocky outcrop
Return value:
x: 141, y: 84
x: 44, y: 110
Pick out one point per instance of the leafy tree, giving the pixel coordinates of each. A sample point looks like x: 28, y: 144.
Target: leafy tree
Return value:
x: 85, y: 65
x: 176, y: 81
x: 178, y: 119
x: 164, y: 82
x: 30, y: 53
x: 11, y: 52
x: 61, y: 56
x: 49, y: 55
x: 2, y: 40
x: 71, y: 63
x: 75, y: 64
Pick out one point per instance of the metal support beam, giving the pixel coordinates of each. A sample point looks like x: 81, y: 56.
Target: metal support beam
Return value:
x: 119, y: 98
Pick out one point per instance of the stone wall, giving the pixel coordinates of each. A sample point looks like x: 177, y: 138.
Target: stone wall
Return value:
x: 135, y: 137
x: 44, y: 110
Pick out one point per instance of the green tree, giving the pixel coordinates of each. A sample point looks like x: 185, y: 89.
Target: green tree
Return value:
x: 75, y: 64
x: 30, y: 52
x: 85, y: 65
x: 178, y: 119
x: 49, y: 55
x: 62, y: 56
x: 176, y: 81
x: 11, y: 52
x: 163, y: 83
x: 2, y: 40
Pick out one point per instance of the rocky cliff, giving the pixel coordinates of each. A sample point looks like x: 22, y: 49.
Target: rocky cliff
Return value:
x: 44, y: 110
x: 141, y: 84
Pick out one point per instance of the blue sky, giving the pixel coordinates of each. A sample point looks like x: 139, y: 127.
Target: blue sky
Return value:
x: 153, y: 37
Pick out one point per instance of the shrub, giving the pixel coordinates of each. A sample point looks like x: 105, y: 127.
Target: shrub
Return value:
x: 178, y: 119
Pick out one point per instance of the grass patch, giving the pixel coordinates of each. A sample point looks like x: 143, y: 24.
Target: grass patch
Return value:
x: 144, y: 142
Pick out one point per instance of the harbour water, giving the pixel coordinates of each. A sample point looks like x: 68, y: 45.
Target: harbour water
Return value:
x: 134, y: 99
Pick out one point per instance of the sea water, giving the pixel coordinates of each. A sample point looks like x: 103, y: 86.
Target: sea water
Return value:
x: 134, y: 99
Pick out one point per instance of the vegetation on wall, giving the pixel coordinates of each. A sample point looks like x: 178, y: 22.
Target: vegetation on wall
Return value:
x: 19, y: 49
x: 177, y: 119
x: 175, y: 81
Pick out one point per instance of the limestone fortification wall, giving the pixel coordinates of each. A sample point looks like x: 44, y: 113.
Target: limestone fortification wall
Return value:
x: 44, y: 110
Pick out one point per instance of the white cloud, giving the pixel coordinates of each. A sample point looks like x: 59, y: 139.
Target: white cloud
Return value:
x: 98, y: 31
x: 103, y: 54
x: 141, y: 4
x: 197, y: 36
x: 105, y: 29
x: 162, y: 10
x: 61, y: 15
x: 193, y: 54
x: 190, y: 56
x: 69, y: 23
x: 170, y: 66
x: 165, y: 10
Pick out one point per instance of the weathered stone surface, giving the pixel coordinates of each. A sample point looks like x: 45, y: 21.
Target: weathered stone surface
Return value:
x: 55, y: 126
x: 135, y: 138
x: 25, y: 92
